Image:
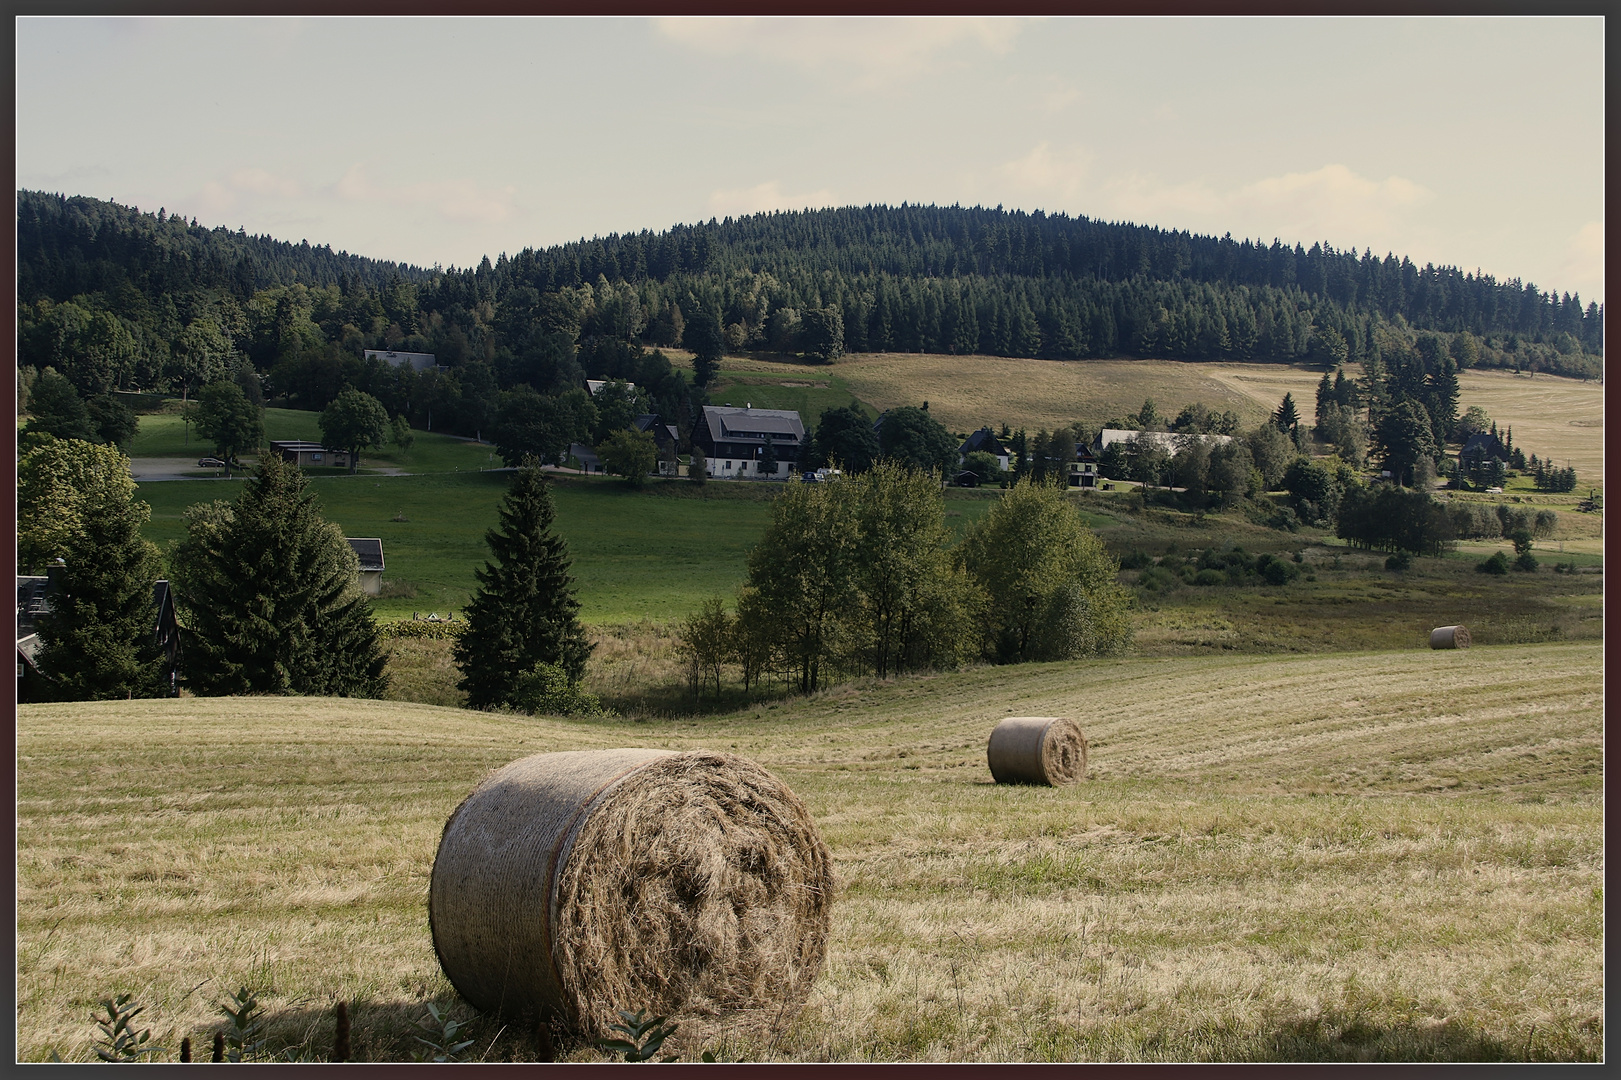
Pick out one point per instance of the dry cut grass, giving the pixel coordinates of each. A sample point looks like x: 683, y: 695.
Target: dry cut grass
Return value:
x: 1359, y: 856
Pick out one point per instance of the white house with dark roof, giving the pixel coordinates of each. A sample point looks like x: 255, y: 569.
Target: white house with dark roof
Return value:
x: 369, y: 549
x: 1170, y: 441
x: 734, y: 440
x: 985, y: 440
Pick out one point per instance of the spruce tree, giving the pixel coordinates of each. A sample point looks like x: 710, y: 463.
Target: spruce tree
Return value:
x: 269, y: 596
x: 525, y: 611
x: 98, y: 639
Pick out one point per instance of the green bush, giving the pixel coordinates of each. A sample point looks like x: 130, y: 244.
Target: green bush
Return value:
x: 1399, y: 561
x: 1497, y: 564
x: 545, y: 688
x: 1210, y: 576
x: 1526, y: 562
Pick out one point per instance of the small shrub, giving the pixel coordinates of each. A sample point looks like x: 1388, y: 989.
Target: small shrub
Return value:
x: 242, y: 1036
x: 1135, y: 560
x: 545, y: 688
x: 644, y: 1036
x: 443, y: 1047
x: 1497, y: 564
x: 1402, y: 560
x: 1276, y: 571
x: 1210, y: 576
x: 1526, y: 561
x: 120, y: 1041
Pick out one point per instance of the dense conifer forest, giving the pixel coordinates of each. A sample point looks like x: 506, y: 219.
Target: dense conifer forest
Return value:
x: 112, y: 296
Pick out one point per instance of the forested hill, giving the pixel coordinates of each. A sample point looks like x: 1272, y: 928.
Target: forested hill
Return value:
x: 114, y: 297
x: 963, y: 280
x: 68, y: 246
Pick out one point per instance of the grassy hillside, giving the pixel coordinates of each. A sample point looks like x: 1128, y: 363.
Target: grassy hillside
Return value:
x: 651, y: 554
x: 1366, y: 856
x: 1555, y: 417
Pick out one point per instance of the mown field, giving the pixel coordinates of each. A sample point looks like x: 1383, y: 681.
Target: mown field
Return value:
x: 1358, y: 856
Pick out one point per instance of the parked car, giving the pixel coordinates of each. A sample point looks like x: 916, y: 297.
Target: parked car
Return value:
x: 210, y: 463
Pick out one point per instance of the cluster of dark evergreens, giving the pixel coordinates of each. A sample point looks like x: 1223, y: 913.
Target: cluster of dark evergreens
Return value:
x: 266, y: 589
x: 112, y: 297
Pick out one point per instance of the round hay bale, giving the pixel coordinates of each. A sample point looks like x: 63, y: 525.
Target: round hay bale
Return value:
x: 1449, y: 637
x: 1037, y: 750
x: 693, y: 885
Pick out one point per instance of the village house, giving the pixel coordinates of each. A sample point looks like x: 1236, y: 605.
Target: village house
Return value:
x: 1083, y: 471
x: 34, y: 601
x: 370, y: 552
x: 984, y: 441
x: 309, y: 453
x: 1170, y: 441
x: 734, y: 440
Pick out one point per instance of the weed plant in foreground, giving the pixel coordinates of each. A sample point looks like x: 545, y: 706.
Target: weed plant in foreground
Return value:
x: 1363, y: 856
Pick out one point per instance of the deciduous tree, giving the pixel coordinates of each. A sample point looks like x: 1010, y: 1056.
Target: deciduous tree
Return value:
x: 98, y: 639
x: 1050, y: 584
x: 353, y: 421
x: 226, y: 418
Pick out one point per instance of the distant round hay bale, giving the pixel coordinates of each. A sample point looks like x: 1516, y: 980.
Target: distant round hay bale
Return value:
x: 692, y: 885
x: 1449, y: 637
x: 1037, y: 750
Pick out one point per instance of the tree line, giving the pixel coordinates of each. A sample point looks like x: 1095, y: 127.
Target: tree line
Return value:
x: 110, y: 297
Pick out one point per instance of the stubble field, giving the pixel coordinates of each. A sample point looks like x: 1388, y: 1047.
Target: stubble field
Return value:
x: 1363, y: 856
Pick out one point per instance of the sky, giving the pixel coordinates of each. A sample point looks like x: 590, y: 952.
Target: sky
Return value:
x: 1473, y: 142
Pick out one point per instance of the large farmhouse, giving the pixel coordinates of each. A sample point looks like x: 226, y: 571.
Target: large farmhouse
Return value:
x: 1170, y: 441
x: 734, y: 441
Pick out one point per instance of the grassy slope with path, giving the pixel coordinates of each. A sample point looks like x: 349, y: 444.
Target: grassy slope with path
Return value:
x: 1342, y: 857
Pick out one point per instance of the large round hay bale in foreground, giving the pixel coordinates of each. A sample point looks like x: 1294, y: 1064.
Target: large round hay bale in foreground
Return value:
x: 1037, y: 750
x: 1449, y: 637
x: 693, y: 885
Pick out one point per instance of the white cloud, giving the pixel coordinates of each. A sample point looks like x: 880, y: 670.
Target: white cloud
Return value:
x: 1583, y: 268
x: 462, y: 199
x: 1330, y: 203
x: 250, y: 184
x: 738, y: 202
x: 869, y: 51
x: 1046, y: 174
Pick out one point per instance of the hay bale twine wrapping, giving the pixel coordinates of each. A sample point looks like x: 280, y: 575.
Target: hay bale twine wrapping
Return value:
x: 693, y: 885
x: 1037, y: 750
x: 1449, y: 637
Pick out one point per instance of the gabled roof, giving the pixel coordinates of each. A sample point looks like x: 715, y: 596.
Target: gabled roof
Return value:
x: 1170, y: 440
x: 593, y: 385
x: 732, y: 423
x: 984, y: 440
x: 1484, y: 442
x: 370, y: 550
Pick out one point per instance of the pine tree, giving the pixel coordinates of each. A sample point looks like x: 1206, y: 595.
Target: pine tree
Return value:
x: 98, y: 639
x: 1286, y: 418
x: 525, y: 611
x: 269, y: 596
